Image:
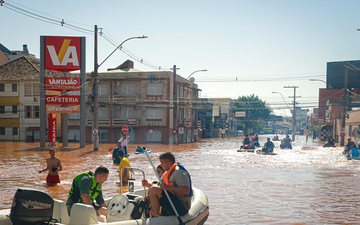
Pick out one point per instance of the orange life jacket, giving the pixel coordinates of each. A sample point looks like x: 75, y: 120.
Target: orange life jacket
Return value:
x: 166, y: 177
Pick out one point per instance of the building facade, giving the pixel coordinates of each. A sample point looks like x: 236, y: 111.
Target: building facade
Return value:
x: 145, y: 103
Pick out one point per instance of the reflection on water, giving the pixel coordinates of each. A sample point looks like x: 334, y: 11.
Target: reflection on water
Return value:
x: 306, y: 185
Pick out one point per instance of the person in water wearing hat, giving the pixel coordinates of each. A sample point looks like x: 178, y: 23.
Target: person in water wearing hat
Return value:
x: 53, y: 165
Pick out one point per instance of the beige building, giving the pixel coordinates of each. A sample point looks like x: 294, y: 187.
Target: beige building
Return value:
x: 19, y: 99
x: 143, y: 101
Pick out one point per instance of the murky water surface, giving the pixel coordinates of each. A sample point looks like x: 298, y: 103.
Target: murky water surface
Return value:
x: 306, y: 185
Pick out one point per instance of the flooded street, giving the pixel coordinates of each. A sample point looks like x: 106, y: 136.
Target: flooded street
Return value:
x: 306, y: 185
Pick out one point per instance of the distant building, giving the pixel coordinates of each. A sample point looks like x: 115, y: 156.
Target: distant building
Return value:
x: 7, y: 55
x: 221, y: 115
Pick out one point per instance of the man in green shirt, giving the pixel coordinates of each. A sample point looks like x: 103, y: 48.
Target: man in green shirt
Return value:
x: 86, y: 188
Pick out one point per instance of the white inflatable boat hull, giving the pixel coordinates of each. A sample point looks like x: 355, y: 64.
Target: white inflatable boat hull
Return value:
x: 86, y: 215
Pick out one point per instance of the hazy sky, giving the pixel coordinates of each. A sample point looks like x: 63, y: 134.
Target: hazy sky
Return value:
x: 248, y: 47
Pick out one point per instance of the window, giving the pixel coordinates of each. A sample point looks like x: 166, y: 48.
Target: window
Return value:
x: 28, y: 111
x: 103, y: 90
x: 36, y: 88
x: 32, y: 89
x: 14, y: 87
x: 2, y: 130
x: 116, y: 112
x: 74, y: 116
x: 2, y: 109
x: 14, y: 109
x: 154, y: 89
x: 15, y: 131
x: 28, y: 89
x: 125, y: 90
x: 154, y: 114
x: 36, y: 111
x: 103, y: 113
x: 2, y: 87
x: 127, y: 113
x: 103, y: 135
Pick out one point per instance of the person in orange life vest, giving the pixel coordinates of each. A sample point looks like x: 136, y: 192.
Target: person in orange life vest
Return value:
x: 53, y: 165
x: 177, y: 182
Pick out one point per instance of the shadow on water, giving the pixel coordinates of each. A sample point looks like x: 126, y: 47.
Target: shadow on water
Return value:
x: 306, y: 185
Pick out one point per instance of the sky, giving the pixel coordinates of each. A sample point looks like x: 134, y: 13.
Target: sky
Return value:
x: 247, y: 46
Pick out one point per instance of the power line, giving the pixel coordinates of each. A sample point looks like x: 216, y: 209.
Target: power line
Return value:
x: 35, y: 14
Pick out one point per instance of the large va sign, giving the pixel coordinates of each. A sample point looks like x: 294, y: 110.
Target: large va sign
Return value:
x: 62, y: 53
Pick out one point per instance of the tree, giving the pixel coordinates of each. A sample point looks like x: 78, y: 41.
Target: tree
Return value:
x: 256, y: 113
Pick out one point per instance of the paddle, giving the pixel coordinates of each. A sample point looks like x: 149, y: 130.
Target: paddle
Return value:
x: 166, y: 193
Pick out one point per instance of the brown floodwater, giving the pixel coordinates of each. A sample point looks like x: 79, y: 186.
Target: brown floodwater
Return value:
x: 306, y: 185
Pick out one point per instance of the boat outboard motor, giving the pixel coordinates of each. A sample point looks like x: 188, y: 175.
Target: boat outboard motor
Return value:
x: 31, y: 207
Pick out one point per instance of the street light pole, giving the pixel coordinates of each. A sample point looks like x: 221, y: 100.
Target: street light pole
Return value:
x: 317, y: 80
x: 175, y: 130
x: 343, y: 123
x: 275, y: 92
x: 203, y: 70
x: 95, y: 94
x: 293, y: 112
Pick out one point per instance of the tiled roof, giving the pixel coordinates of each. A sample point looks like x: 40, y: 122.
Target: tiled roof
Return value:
x: 23, y: 68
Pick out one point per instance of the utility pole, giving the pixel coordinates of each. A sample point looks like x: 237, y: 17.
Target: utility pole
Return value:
x: 95, y: 94
x: 293, y: 112
x: 95, y: 130
x: 175, y: 130
x: 343, y: 119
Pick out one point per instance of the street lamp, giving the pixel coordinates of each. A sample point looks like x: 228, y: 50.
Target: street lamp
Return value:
x: 95, y: 130
x: 293, y: 112
x: 317, y: 80
x: 275, y: 92
x: 203, y: 70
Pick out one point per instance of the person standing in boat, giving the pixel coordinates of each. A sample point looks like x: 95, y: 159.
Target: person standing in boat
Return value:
x: 53, y: 165
x: 86, y: 188
x: 124, y: 173
x: 177, y: 182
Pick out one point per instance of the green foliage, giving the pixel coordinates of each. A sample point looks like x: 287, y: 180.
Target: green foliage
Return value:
x: 256, y: 112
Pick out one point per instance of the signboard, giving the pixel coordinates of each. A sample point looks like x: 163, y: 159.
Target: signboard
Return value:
x: 125, y: 129
x: 62, y: 53
x: 337, y: 71
x: 63, y: 109
x: 240, y: 114
x: 181, y: 130
x: 62, y: 83
x: 52, y: 127
x: 132, y: 121
x: 62, y: 99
